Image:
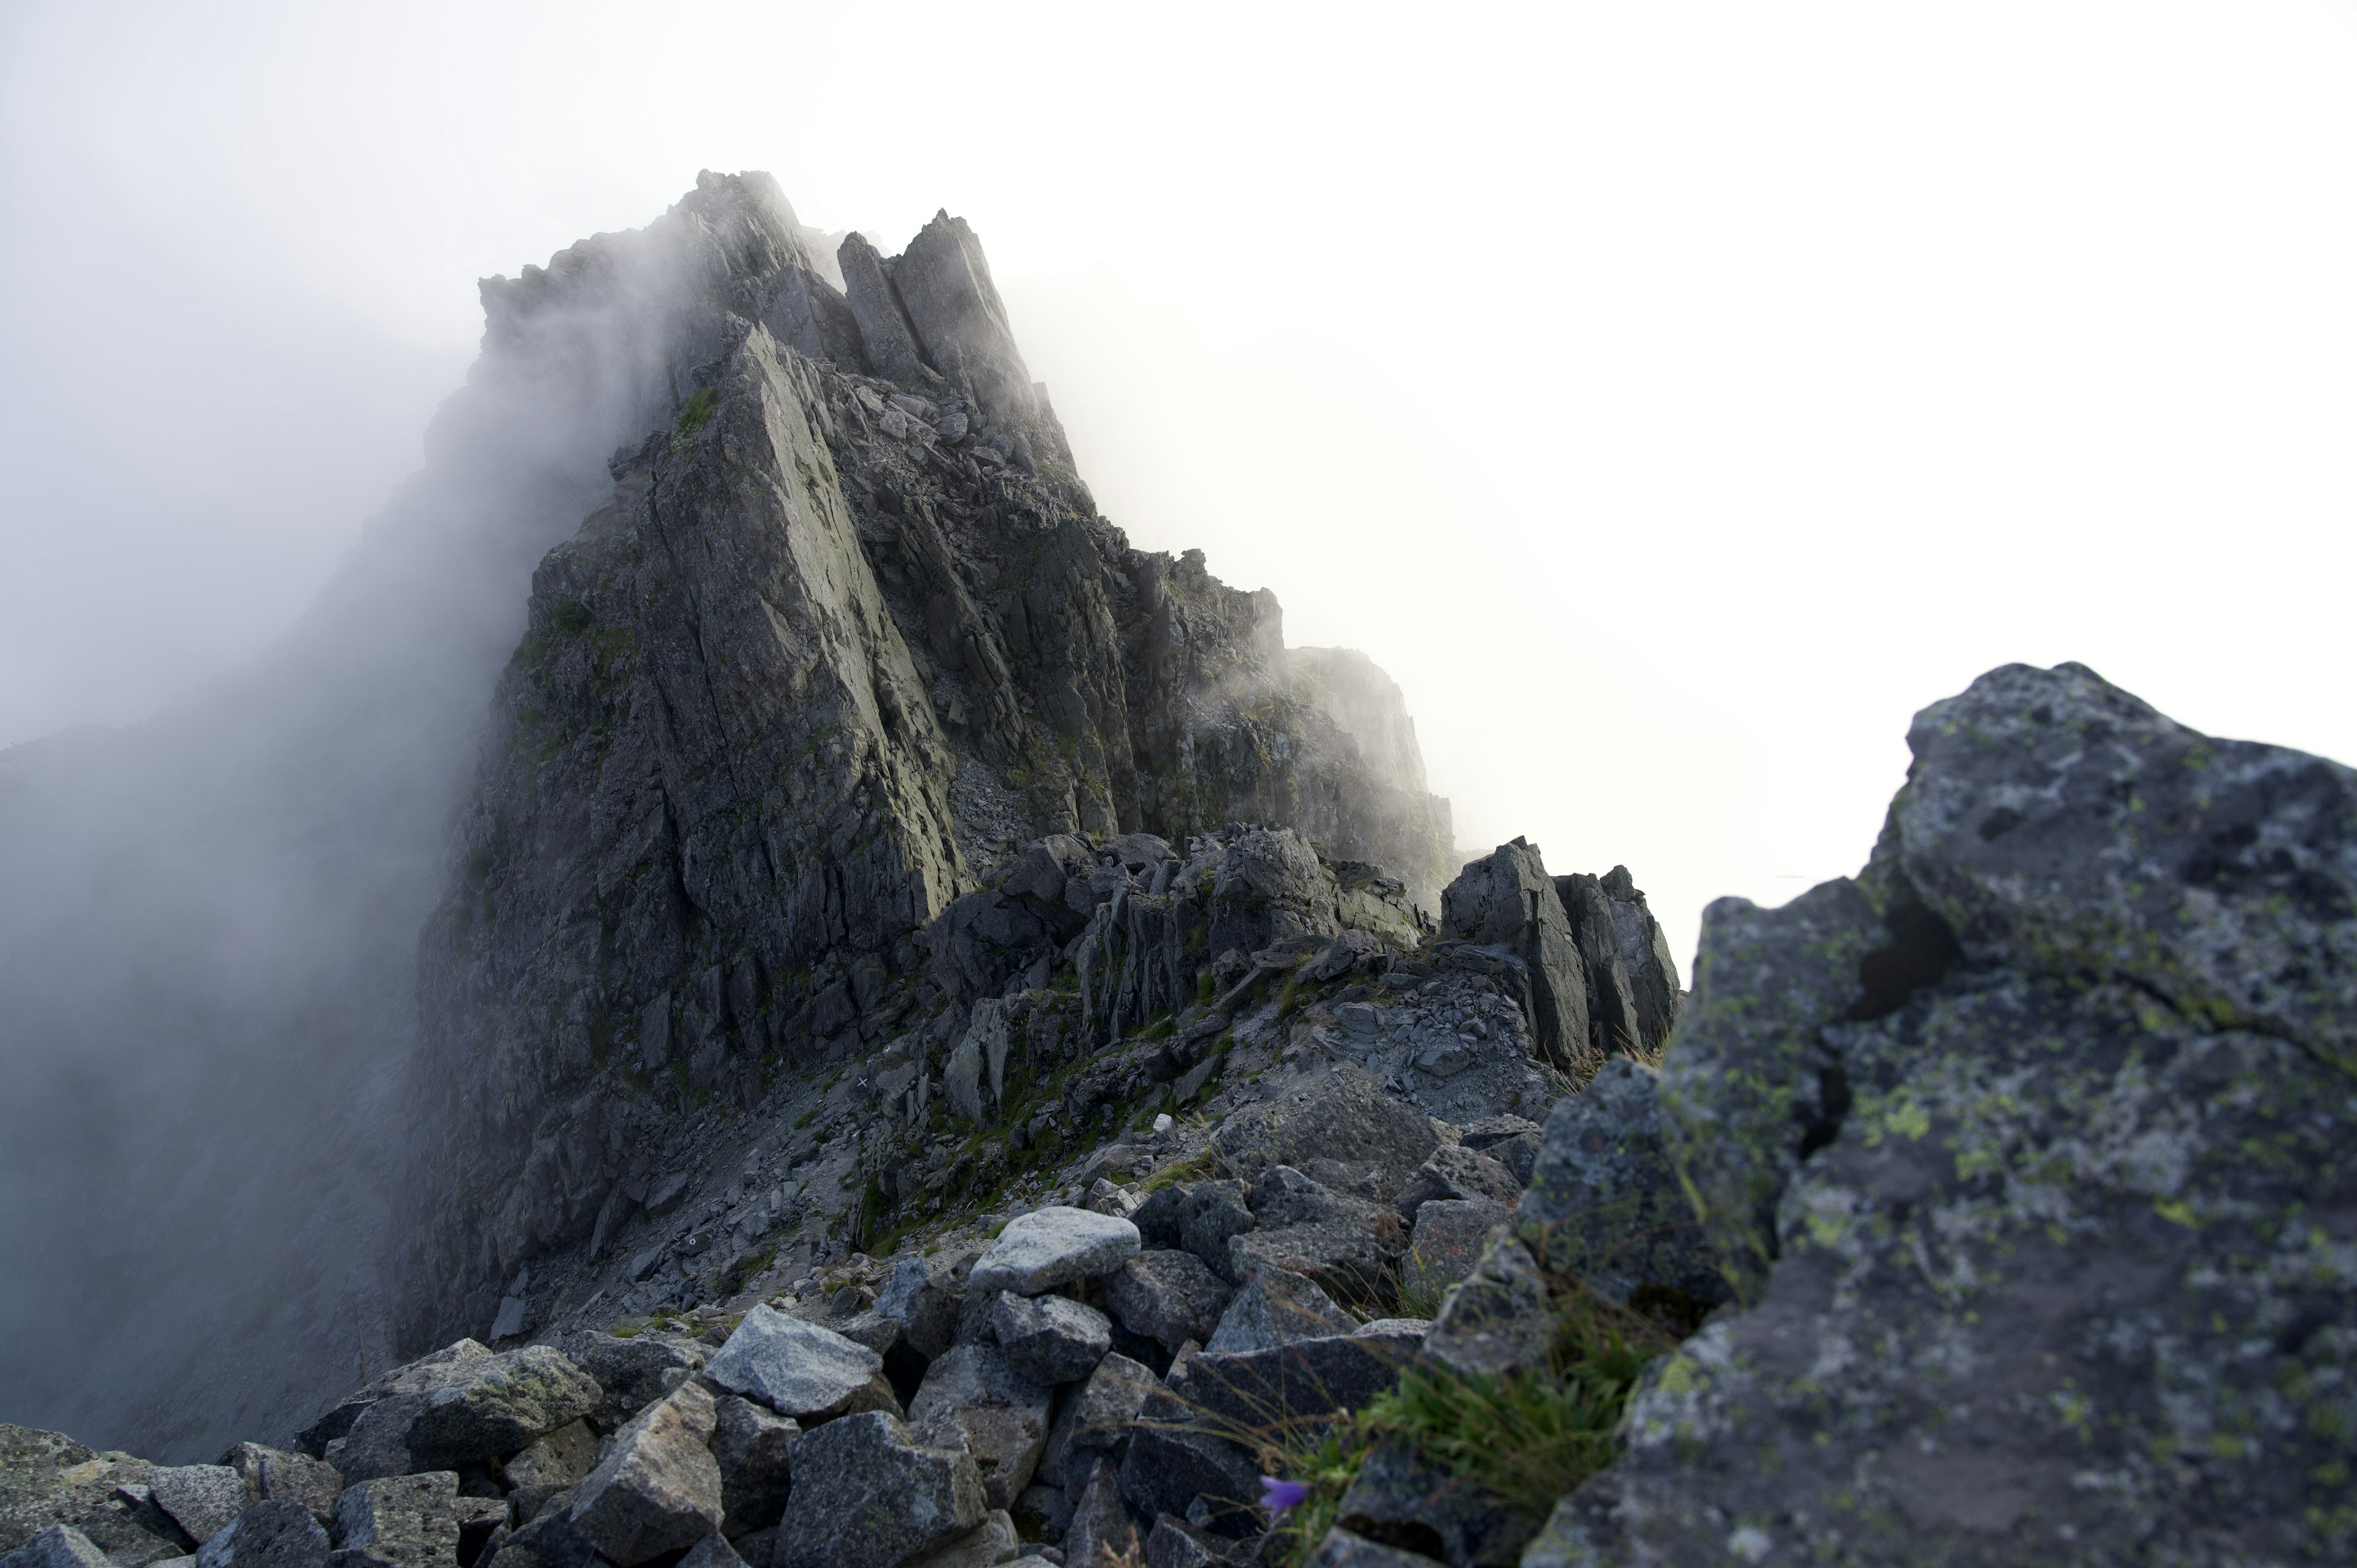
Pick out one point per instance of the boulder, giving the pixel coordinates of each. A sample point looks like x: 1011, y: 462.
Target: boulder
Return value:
x: 1102, y: 1531
x: 972, y: 1394
x: 2030, y: 1149
x: 712, y: 1552
x: 272, y: 1475
x: 1166, y: 1296
x: 479, y: 1408
x: 1178, y: 1455
x: 1401, y: 1498
x: 1052, y: 1246
x: 1175, y: 1544
x: 753, y: 1446
x: 1455, y: 1172
x: 658, y: 1488
x: 547, y: 1540
x: 1197, y: 1217
x: 398, y: 1521
x: 993, y: 1541
x: 1506, y: 900
x: 48, y: 1478
x: 799, y: 1368
x: 865, y: 1491
x: 1450, y: 1236
x: 132, y: 1531
x: 422, y: 1376
x: 1605, y: 1205
x: 1276, y: 1307
x: 201, y: 1499
x: 280, y: 1533
x: 551, y: 1464
x: 635, y: 1372
x: 1344, y: 1245
x: 1498, y: 1319
x: 1051, y: 1338
x: 1095, y: 1419
x: 924, y: 1301
x: 58, y: 1546
x: 1346, y: 1119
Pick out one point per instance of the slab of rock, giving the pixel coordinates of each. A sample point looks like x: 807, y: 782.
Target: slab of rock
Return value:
x: 1456, y: 1172
x: 1095, y: 1418
x: 799, y: 1368
x: 993, y: 1541
x: 1197, y: 1217
x: 1181, y: 1458
x: 865, y: 1491
x: 548, y: 1540
x: 1175, y: 1544
x: 423, y: 1376
x: 658, y: 1488
x: 1499, y: 1319
x: 971, y: 1393
x: 398, y: 1521
x: 1605, y: 1203
x: 271, y: 1475
x: 1401, y: 1498
x: 201, y: 1499
x: 1450, y: 1234
x: 552, y: 1464
x: 132, y: 1531
x: 1345, y: 1260
x: 1346, y: 1119
x: 924, y: 1302
x: 1166, y: 1296
x: 1051, y: 1338
x: 1100, y: 1530
x: 1277, y: 1307
x: 1512, y: 1140
x: 282, y: 1533
x: 1506, y: 898
x: 2030, y: 1152
x: 480, y: 1408
x: 637, y: 1372
x: 1051, y: 1247
x: 753, y: 1445
x: 58, y: 1546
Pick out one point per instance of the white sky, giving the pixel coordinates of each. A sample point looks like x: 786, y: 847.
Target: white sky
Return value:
x: 1673, y: 396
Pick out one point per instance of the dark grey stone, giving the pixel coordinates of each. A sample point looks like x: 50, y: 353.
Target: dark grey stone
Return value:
x: 58, y: 1546
x: 1450, y: 1236
x: 1051, y: 1338
x: 1401, y: 1500
x: 658, y: 1488
x: 1094, y: 1419
x: 753, y: 1446
x: 865, y: 1491
x: 799, y: 1368
x: 1500, y: 1319
x: 280, y: 1533
x: 1346, y: 1119
x: 1507, y: 899
x: 398, y: 1521
x: 1341, y: 1549
x: 1167, y: 1296
x: 1277, y: 1307
x: 1100, y: 1530
x: 272, y: 1475
x: 201, y: 1499
x: 971, y: 1395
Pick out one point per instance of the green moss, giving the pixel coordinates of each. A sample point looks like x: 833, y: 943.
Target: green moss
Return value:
x: 698, y: 412
x: 571, y: 618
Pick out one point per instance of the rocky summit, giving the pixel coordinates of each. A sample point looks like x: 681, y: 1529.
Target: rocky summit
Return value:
x: 944, y: 1042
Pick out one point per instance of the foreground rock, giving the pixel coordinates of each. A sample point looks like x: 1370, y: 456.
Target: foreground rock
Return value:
x: 2028, y: 1150
x: 1051, y: 1247
x: 866, y: 1492
x: 460, y: 1407
x: 799, y: 1370
x: 398, y: 1521
x: 280, y: 1534
x: 659, y: 1489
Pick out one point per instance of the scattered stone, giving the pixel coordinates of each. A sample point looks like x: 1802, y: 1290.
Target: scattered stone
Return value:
x: 1053, y: 1246
x: 1051, y: 1338
x: 986, y: 1545
x: 398, y: 1521
x: 1166, y: 1296
x: 58, y: 1546
x: 1277, y: 1307
x: 972, y: 1394
x: 753, y: 1446
x: 201, y: 1499
x: 800, y: 1370
x: 1450, y: 1234
x: 1095, y: 1418
x: 866, y: 1492
x: 271, y: 1475
x: 1346, y: 1260
x: 658, y: 1488
x: 280, y: 1533
x: 1400, y: 1499
x: 1497, y: 1320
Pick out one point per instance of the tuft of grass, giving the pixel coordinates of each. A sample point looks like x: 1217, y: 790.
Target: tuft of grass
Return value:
x: 1194, y: 1168
x: 1328, y: 1467
x: 698, y: 412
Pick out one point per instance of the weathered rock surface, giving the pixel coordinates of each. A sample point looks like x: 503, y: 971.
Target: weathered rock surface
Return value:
x: 398, y: 1521
x: 1197, y: 1218
x: 1399, y: 1498
x: 1051, y: 1247
x: 972, y: 1396
x: 1347, y: 1125
x: 273, y: 1476
x: 1507, y: 899
x: 1276, y: 1307
x: 799, y: 1368
x: 987, y: 1544
x: 1095, y: 1418
x: 1345, y: 1548
x: 58, y: 1546
x: 753, y: 1448
x: 47, y: 1478
x: 1167, y: 1296
x: 2028, y: 1149
x: 1447, y: 1242
x: 464, y: 1407
x: 201, y: 1499
x: 1497, y: 1320
x: 1454, y: 1172
x: 658, y: 1488
x: 865, y: 1491
x: 1102, y: 1530
x: 273, y: 1534
x: 1051, y: 1338
x: 635, y: 1372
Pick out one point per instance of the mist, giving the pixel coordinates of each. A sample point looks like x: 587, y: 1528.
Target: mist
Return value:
x: 1672, y: 402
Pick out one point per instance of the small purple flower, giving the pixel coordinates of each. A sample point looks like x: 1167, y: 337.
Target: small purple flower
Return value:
x: 1278, y: 1496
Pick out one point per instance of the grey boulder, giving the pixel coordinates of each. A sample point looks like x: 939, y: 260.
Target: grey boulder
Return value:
x: 1455, y: 1172
x: 971, y: 1395
x: 58, y: 1546
x: 866, y: 1492
x: 274, y: 1476
x: 1499, y: 1319
x: 993, y: 1541
x: 1277, y: 1307
x: 1051, y: 1338
x: 201, y: 1499
x: 1450, y: 1236
x: 799, y: 1368
x: 658, y: 1488
x: 398, y: 1521
x: 479, y: 1408
x: 754, y: 1449
x: 1095, y: 1418
x: 1051, y: 1247
x: 1166, y: 1296
x: 637, y: 1372
x: 280, y: 1533
x: 1347, y: 1121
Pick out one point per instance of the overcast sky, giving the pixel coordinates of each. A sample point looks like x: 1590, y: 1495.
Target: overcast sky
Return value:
x: 1673, y: 397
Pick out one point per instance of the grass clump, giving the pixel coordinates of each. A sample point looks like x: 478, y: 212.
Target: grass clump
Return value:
x: 1194, y: 1168
x: 698, y: 412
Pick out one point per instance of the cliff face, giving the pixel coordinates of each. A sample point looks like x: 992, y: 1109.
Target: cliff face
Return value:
x: 848, y: 630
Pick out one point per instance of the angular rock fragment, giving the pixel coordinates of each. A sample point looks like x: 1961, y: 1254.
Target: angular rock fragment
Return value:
x: 1095, y: 1418
x: 398, y: 1521
x: 658, y: 1488
x: 924, y: 1304
x: 201, y: 1499
x: 754, y: 1448
x: 1051, y: 1338
x: 132, y: 1531
x: 865, y: 1491
x: 712, y: 1552
x: 550, y: 1465
x: 1277, y: 1307
x: 422, y: 1376
x: 58, y: 1546
x: 1605, y: 1203
x: 799, y: 1368
x: 271, y: 1475
x: 1342, y: 1548
x: 1166, y: 1296
x: 1401, y: 1500
x: 1499, y: 1319
x: 972, y: 1394
x: 1175, y: 1544
x: 1506, y: 898
x: 1197, y: 1217
x: 1100, y: 1530
x: 1052, y: 1246
x: 276, y: 1534
x: 987, y: 1544
x: 46, y: 1477
x: 1449, y: 1239
x: 1347, y: 1119
x: 547, y: 1540
x: 1454, y: 1172
x: 470, y: 1408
